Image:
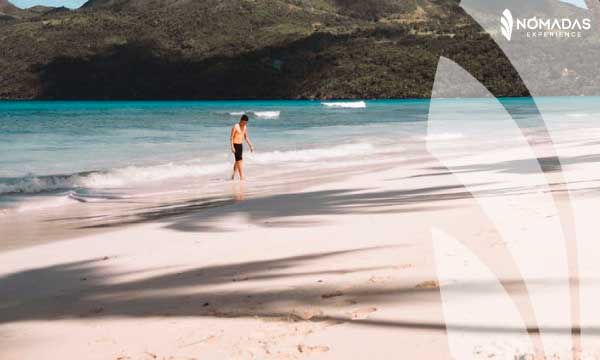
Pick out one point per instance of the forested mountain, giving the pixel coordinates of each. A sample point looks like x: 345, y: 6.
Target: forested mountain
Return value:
x: 214, y: 49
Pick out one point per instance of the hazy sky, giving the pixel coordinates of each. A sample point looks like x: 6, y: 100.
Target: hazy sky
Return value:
x: 78, y: 3
x: 29, y: 3
x: 576, y: 2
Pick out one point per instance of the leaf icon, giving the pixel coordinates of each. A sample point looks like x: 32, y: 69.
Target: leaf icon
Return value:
x: 507, y: 24
x: 462, y: 264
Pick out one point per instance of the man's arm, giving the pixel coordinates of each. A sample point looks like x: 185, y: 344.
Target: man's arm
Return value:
x: 248, y: 141
x: 231, y: 139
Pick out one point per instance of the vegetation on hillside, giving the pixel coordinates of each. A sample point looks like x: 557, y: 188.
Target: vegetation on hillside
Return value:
x: 219, y: 49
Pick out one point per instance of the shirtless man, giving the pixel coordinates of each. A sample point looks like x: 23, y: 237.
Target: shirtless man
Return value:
x: 239, y: 133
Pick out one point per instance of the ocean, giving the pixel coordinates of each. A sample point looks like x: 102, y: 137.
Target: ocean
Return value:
x: 53, y: 153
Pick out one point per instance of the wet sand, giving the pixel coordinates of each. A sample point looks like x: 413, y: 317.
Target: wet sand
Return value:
x: 335, y: 266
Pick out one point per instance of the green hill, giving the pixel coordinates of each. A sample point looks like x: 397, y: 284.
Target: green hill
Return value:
x: 182, y: 49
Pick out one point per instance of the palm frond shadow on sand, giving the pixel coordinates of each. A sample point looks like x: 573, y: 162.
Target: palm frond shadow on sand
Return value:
x: 285, y: 209
x: 87, y: 289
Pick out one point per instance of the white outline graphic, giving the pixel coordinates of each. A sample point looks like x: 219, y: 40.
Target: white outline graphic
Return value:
x: 507, y: 22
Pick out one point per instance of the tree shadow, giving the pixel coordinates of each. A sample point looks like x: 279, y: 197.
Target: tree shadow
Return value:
x: 88, y: 289
x: 81, y: 289
x: 548, y: 164
x: 284, y: 210
x: 304, y: 209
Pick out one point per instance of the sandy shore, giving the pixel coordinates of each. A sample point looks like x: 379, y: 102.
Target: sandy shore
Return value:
x: 346, y: 268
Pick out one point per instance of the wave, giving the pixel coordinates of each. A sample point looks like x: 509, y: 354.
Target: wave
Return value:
x: 44, y: 204
x: 258, y: 114
x: 128, y: 177
x: 55, y: 201
x: 347, y: 105
x: 267, y: 114
x: 32, y: 184
x: 308, y: 155
x: 584, y: 115
x: 442, y: 136
x: 116, y: 178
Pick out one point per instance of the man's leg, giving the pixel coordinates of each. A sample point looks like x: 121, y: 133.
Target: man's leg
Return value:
x: 240, y: 166
x: 235, y: 165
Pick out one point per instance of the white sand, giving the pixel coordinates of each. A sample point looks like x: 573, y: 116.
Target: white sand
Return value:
x: 336, y: 270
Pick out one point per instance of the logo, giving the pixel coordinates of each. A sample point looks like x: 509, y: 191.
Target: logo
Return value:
x: 507, y: 22
x: 539, y: 27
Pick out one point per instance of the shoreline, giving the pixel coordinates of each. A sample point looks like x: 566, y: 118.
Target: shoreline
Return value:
x: 401, y: 252
x: 312, y: 270
x: 77, y: 220
x: 276, y: 287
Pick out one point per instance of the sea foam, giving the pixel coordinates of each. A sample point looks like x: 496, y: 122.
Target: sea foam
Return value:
x: 442, y: 136
x: 267, y: 114
x: 131, y: 176
x: 347, y: 105
x: 115, y: 178
x: 258, y: 114
x: 310, y: 155
x: 44, y: 204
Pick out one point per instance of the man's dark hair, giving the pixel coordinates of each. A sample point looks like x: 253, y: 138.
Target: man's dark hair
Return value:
x: 244, y: 118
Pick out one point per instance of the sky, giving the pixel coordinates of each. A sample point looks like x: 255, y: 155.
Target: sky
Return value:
x: 580, y: 3
x: 23, y: 4
x: 77, y: 3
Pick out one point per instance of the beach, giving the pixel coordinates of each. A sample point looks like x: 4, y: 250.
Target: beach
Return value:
x: 427, y: 246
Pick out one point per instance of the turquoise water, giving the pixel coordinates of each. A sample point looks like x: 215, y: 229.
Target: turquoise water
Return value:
x: 65, y: 138
x: 94, y: 146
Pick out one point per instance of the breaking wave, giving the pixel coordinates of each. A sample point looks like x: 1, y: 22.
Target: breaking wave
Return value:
x: 267, y: 114
x: 130, y: 176
x: 442, y: 136
x: 121, y: 177
x: 347, y: 105
x: 258, y: 114
x: 308, y: 155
